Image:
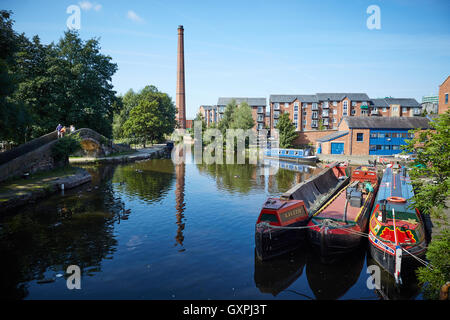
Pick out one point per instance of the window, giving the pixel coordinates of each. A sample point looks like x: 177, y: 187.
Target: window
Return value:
x: 314, y: 106
x: 296, y: 108
x: 384, y: 109
x: 394, y: 109
x: 295, y: 116
x: 360, y: 137
x: 304, y: 122
x: 353, y: 104
x: 314, y: 124
x: 364, y: 112
x: 295, y: 124
x: 372, y: 147
x: 373, y: 135
x: 335, y: 103
x: 395, y: 147
x: 446, y: 98
x: 304, y: 113
x: 379, y: 147
x: 334, y: 120
x: 345, y: 104
x: 260, y: 110
x: 334, y: 111
x: 314, y: 115
x: 276, y: 106
x: 404, y: 109
x: 385, y: 147
x: 305, y: 105
x: 380, y: 135
x: 353, y: 112
x: 286, y: 105
x: 411, y: 135
x: 275, y: 122
x: 387, y: 135
x: 404, y: 135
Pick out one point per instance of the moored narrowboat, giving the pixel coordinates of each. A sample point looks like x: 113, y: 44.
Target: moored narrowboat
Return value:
x: 298, y: 155
x: 396, y: 231
x: 341, y: 224
x: 281, y: 223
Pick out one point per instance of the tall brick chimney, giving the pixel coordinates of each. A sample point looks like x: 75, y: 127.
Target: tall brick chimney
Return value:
x: 181, y: 98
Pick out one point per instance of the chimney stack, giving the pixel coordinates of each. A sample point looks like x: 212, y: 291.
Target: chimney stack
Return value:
x: 181, y: 98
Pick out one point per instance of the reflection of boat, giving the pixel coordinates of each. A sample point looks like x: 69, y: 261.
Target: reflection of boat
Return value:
x: 341, y: 223
x: 331, y: 279
x: 279, y: 225
x: 278, y: 274
x: 396, y: 231
x: 389, y: 290
x: 292, y: 166
x: 303, y: 155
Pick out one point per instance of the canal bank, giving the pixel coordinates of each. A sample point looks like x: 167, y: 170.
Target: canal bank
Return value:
x: 154, y: 152
x: 20, y: 192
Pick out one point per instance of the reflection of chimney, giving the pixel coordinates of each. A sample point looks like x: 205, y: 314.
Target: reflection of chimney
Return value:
x: 181, y: 98
x: 179, y: 198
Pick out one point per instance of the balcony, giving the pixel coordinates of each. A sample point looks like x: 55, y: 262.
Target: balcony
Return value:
x: 260, y: 119
x: 325, y: 114
x: 315, y: 106
x: 314, y: 115
x: 260, y: 110
x: 276, y: 106
x: 325, y: 105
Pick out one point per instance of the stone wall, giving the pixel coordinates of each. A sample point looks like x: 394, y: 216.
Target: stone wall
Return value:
x: 96, y: 145
x: 39, y: 159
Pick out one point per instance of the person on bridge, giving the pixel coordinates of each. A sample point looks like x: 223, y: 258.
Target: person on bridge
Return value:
x: 58, y: 129
x: 63, y: 131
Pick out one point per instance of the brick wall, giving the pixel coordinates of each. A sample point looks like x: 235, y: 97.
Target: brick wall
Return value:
x: 444, y: 88
x: 307, y: 137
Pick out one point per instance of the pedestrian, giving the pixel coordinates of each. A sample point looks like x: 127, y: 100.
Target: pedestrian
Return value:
x: 72, y: 128
x: 58, y: 129
x: 63, y: 131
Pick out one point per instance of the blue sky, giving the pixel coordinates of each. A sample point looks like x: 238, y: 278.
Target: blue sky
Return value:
x: 258, y: 48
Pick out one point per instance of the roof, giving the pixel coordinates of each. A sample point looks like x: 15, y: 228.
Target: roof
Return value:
x: 332, y: 136
x: 341, y: 96
x: 318, y: 97
x: 444, y: 81
x: 387, y: 122
x: 403, y: 102
x: 380, y: 103
x: 223, y: 101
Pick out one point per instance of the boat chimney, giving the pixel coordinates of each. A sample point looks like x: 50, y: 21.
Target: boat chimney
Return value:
x: 383, y: 211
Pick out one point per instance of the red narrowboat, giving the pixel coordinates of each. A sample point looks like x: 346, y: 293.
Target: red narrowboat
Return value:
x: 340, y: 225
x: 396, y: 231
x: 281, y: 223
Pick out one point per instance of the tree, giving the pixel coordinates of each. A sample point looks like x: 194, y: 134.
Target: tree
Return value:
x: 286, y: 131
x: 226, y: 120
x: 432, y: 163
x: 242, y: 118
x: 152, y: 117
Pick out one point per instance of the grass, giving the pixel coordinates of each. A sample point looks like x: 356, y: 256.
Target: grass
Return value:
x: 37, y: 181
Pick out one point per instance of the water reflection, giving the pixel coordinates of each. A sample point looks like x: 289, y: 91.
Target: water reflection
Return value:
x: 276, y: 275
x: 43, y: 240
x: 389, y: 290
x: 331, y: 279
x: 180, y: 170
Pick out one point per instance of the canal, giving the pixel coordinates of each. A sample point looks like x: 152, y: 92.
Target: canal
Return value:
x: 155, y: 230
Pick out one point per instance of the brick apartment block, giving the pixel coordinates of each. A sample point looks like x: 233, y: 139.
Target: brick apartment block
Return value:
x: 444, y: 91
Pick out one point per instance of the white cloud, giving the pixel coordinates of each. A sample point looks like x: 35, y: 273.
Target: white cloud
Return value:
x: 87, y: 5
x: 134, y: 16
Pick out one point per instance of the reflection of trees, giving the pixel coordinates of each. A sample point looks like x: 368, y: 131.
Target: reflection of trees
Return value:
x: 149, y: 180
x: 331, y: 279
x: 60, y: 231
x: 232, y: 177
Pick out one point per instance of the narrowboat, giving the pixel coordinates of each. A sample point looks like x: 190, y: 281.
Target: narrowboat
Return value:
x: 280, y: 226
x: 298, y: 155
x: 341, y: 224
x: 397, y: 237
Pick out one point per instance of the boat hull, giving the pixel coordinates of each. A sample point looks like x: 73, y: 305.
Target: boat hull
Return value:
x: 386, y: 260
x: 275, y: 242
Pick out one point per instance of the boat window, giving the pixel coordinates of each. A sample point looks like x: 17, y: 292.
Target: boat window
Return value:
x: 269, y: 217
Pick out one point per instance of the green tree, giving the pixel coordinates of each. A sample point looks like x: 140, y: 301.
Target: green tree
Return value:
x: 242, y: 118
x: 227, y: 118
x: 152, y: 117
x: 286, y: 130
x: 430, y: 175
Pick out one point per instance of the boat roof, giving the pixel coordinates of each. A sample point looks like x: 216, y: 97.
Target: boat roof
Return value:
x: 396, y: 183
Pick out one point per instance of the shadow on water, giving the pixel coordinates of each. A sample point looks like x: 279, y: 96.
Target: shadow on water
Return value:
x: 276, y: 275
x: 38, y: 242
x: 330, y: 278
x: 409, y: 289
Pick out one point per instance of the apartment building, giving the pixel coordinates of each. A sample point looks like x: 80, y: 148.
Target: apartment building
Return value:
x: 210, y: 114
x: 324, y: 111
x: 444, y: 91
x: 258, y: 106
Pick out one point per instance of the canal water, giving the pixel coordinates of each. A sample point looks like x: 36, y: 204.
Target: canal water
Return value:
x: 156, y: 230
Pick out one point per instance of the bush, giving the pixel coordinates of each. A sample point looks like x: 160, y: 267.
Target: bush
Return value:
x: 65, y: 147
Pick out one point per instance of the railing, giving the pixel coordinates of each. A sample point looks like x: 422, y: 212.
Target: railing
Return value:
x: 27, y: 147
